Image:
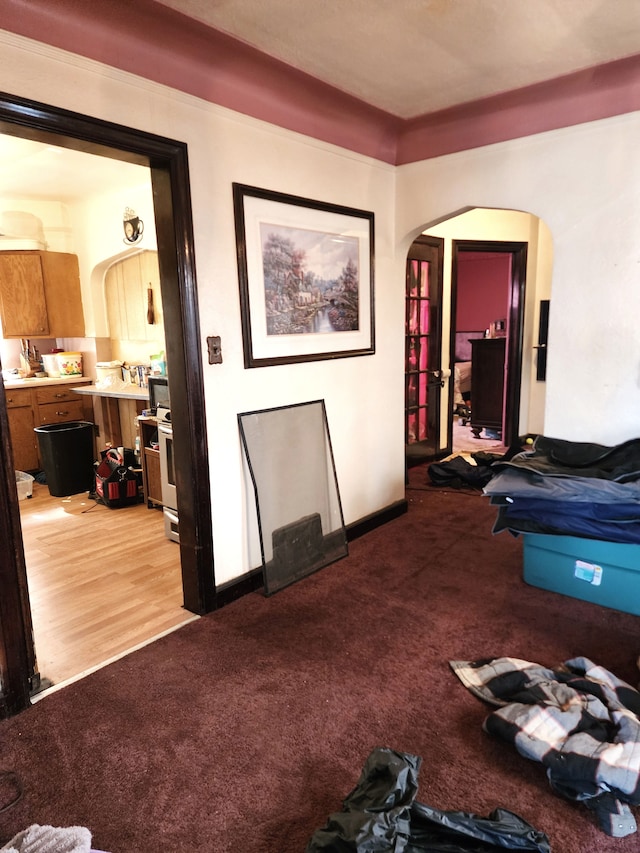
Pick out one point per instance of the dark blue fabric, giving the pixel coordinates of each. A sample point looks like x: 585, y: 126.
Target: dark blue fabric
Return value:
x: 556, y: 524
x: 518, y: 482
x: 547, y: 490
x: 618, y: 512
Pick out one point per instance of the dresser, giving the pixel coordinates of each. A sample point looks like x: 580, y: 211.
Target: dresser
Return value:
x: 487, y: 383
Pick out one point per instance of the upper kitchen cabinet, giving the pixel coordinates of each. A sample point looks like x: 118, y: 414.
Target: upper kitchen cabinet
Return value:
x: 40, y: 295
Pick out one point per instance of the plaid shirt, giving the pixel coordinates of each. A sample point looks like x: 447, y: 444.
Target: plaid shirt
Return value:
x: 579, y: 720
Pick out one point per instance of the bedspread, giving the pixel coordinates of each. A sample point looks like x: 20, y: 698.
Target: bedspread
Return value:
x: 462, y: 381
x: 579, y: 721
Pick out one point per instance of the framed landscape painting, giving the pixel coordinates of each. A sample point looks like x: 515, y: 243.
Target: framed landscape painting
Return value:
x: 306, y: 278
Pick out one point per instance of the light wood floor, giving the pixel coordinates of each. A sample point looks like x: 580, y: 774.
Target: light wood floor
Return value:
x: 101, y: 581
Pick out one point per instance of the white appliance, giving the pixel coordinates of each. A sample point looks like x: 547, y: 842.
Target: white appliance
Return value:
x: 168, y: 481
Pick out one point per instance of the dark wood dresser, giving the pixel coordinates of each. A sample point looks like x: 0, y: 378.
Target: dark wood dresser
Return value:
x: 487, y: 383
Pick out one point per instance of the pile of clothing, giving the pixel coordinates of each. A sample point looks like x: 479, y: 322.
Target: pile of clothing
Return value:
x: 458, y: 472
x: 569, y: 488
x: 579, y: 720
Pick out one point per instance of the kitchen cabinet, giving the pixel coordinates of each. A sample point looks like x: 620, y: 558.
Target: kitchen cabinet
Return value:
x: 150, y: 459
x: 40, y: 295
x: 58, y: 404
x: 21, y: 426
x: 47, y: 403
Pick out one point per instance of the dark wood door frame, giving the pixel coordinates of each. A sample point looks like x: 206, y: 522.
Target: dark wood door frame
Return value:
x: 168, y: 162
x: 518, y: 252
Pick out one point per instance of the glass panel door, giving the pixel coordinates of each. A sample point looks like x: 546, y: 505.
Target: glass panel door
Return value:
x: 423, y: 346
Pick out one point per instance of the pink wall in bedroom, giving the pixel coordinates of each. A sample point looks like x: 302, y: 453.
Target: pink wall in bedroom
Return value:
x: 483, y: 289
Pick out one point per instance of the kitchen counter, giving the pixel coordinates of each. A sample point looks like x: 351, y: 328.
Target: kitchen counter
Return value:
x: 109, y: 400
x: 131, y: 392
x: 32, y: 382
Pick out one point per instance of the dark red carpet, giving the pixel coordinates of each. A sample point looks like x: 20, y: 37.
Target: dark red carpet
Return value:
x: 243, y: 731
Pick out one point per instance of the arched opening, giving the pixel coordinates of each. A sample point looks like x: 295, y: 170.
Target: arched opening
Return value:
x: 484, y: 262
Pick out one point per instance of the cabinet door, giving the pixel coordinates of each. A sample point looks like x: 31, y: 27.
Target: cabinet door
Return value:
x: 64, y: 298
x: 23, y: 305
x: 152, y: 479
x: 23, y: 438
x: 150, y: 459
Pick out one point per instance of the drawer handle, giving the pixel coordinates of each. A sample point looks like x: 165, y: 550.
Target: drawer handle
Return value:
x: 62, y: 413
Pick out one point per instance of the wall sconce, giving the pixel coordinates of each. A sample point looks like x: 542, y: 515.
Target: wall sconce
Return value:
x: 133, y: 226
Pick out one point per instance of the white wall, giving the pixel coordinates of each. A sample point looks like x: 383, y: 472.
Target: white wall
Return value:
x: 363, y: 395
x: 99, y: 239
x: 54, y: 215
x: 584, y: 184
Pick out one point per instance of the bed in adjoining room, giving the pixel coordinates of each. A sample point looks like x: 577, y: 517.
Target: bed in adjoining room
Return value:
x: 462, y: 369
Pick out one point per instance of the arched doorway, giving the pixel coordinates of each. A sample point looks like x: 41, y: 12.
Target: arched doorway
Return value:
x: 527, y: 241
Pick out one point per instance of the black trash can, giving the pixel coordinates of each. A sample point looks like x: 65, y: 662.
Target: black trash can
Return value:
x: 67, y: 457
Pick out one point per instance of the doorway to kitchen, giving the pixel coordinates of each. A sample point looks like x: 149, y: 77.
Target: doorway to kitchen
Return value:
x: 168, y: 162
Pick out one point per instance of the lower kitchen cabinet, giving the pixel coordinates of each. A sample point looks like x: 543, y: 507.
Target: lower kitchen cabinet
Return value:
x: 150, y: 458
x: 21, y: 427
x: 28, y: 408
x: 57, y: 404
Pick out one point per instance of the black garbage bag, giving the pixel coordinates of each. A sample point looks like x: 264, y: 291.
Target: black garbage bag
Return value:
x: 380, y: 816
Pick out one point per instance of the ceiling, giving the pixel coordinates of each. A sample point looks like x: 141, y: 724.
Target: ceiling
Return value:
x: 34, y: 170
x: 407, y: 57
x: 411, y: 57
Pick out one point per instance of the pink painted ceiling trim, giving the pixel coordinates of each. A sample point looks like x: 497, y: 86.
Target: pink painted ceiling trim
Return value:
x: 599, y: 92
x: 159, y: 44
x: 155, y: 42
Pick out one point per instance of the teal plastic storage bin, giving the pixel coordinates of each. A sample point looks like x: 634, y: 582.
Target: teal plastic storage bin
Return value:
x: 605, y: 573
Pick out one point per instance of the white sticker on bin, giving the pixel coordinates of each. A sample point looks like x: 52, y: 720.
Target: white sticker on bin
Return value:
x: 588, y: 572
